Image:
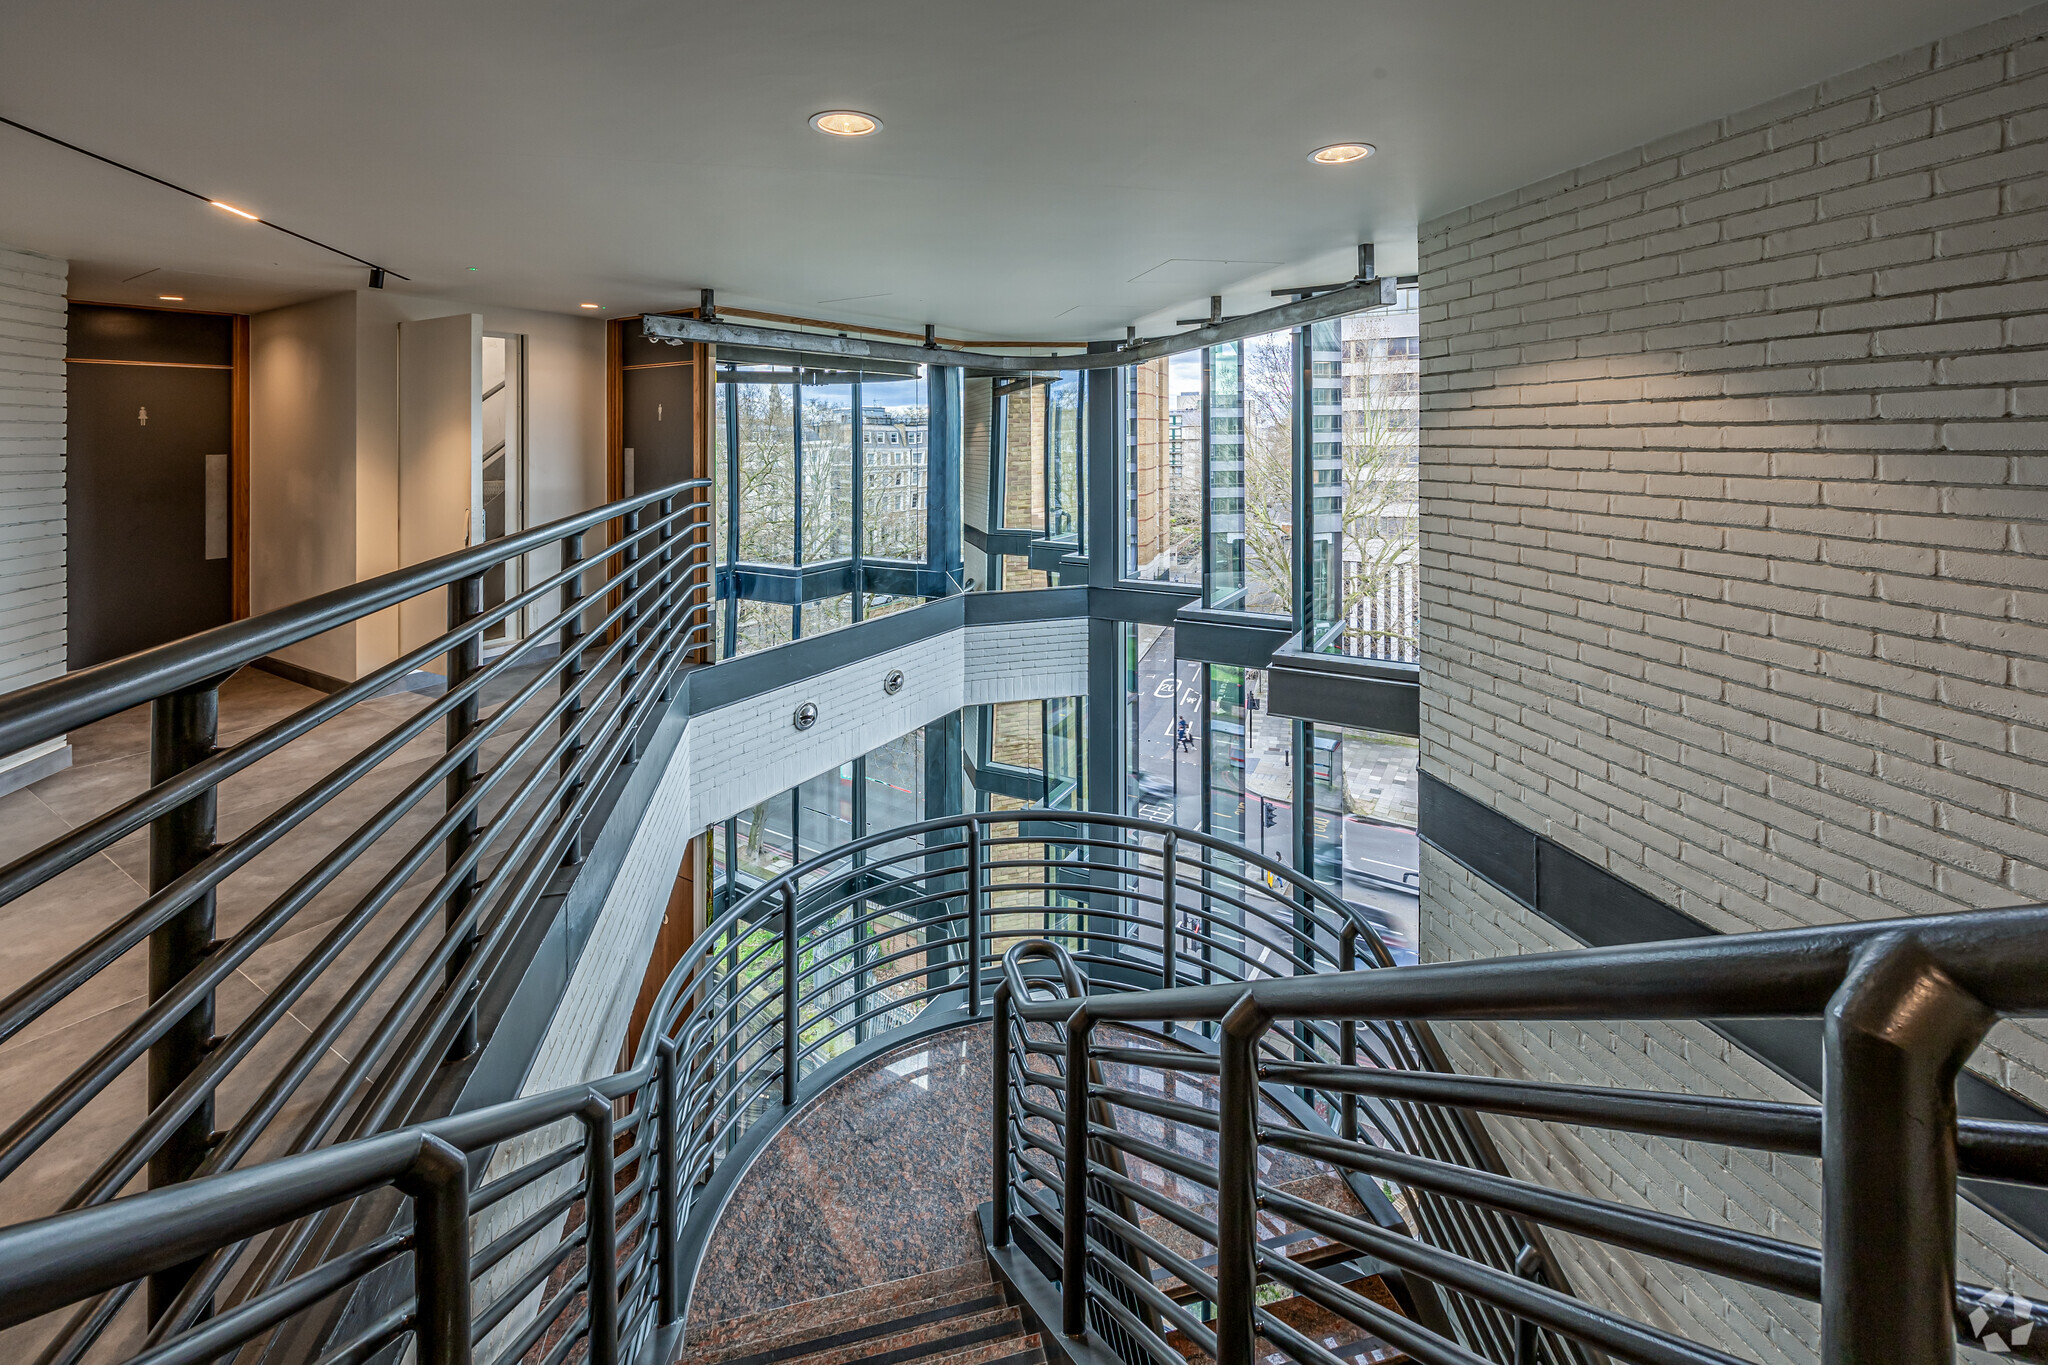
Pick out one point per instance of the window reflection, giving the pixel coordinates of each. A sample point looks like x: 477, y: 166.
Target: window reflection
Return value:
x: 1163, y: 469
x: 764, y: 470
x: 895, y: 432
x: 1363, y: 598
x: 1366, y: 791
x: 828, y: 472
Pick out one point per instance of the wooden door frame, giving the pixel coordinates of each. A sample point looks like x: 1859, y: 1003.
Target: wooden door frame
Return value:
x: 694, y: 354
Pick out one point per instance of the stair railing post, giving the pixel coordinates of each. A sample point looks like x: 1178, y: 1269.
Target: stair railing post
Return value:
x: 1347, y: 946
x: 600, y: 1229
x: 667, y: 1169
x: 1237, y: 1170
x: 465, y: 658
x: 790, y: 1033
x: 999, y: 1137
x: 438, y: 1185
x: 666, y: 597
x: 1169, y: 913
x: 1074, y: 1198
x: 570, y: 725
x: 629, y: 620
x: 1897, y: 1031
x: 975, y: 945
x: 182, y: 731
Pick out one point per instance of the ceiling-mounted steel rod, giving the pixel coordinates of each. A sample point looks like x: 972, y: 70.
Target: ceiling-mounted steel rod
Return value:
x: 1356, y: 297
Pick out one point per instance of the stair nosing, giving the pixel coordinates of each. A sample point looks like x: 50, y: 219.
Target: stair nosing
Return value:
x: 990, y: 1300
x: 944, y: 1346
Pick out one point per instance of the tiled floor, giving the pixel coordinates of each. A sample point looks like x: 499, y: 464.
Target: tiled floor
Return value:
x: 110, y: 765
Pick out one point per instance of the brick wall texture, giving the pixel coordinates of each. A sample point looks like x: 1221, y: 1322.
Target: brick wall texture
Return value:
x: 1735, y: 525
x: 32, y: 603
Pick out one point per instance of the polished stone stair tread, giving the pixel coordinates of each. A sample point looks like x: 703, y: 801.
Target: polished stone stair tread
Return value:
x: 967, y: 1322
x: 721, y: 1339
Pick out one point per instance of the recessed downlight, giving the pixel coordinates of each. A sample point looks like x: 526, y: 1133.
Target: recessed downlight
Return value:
x: 1341, y: 153
x: 845, y: 123
x: 171, y: 298
x: 589, y: 305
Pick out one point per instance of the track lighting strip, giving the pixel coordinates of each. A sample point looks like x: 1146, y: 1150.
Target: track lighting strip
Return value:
x: 377, y: 271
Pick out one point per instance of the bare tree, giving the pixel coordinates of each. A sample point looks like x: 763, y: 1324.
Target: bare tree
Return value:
x: 1266, y: 389
x: 1374, y: 518
x: 1377, y: 523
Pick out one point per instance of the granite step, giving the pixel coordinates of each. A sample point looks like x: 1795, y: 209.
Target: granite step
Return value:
x: 905, y: 1322
x: 730, y: 1339
x: 1027, y: 1349
x: 926, y: 1341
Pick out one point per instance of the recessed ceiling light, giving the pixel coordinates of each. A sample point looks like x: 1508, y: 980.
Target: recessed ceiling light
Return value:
x: 586, y: 305
x: 845, y: 123
x: 172, y: 298
x: 239, y: 213
x: 1341, y: 153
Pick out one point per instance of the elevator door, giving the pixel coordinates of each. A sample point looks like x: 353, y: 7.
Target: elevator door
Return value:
x: 147, y: 477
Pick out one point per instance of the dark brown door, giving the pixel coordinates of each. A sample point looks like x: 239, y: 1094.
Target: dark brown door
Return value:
x: 151, y: 425
x: 660, y: 425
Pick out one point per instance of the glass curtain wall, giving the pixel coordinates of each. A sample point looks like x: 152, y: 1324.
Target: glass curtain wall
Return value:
x: 1024, y: 755
x: 896, y: 439
x: 881, y: 790
x: 1202, y: 750
x: 1037, y: 475
x: 1019, y: 754
x: 1364, y: 405
x: 815, y: 472
x: 1251, y: 474
x: 1230, y: 412
x: 1163, y: 483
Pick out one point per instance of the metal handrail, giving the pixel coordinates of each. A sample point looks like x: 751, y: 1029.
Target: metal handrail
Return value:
x: 822, y: 965
x: 596, y: 644
x: 46, y: 710
x: 1904, y: 1003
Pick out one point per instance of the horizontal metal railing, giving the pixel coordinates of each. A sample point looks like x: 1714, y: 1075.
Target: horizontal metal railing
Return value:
x: 1112, y: 954
x: 905, y: 929
x: 1903, y: 1003
x: 329, y: 896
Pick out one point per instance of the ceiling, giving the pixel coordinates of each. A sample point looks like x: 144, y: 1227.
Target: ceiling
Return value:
x: 1054, y: 169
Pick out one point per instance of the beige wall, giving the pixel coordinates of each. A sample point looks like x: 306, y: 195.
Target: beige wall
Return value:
x: 302, y: 466
x: 329, y: 457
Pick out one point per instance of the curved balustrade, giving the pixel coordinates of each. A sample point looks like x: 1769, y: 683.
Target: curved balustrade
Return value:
x: 1104, y: 950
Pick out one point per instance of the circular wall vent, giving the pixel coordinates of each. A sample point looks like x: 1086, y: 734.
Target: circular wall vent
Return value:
x: 806, y: 716
x: 894, y: 682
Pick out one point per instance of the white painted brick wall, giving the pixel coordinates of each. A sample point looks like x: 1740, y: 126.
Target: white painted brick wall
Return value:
x: 1025, y: 661
x: 1735, y: 498
x: 748, y: 752
x: 1467, y: 917
x: 32, y: 530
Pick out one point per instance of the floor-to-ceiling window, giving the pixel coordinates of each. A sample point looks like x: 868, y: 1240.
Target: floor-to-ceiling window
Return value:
x: 1362, y: 505
x: 1163, y: 484
x: 1364, y: 788
x: 1246, y: 465
x: 1028, y: 475
x: 821, y: 487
